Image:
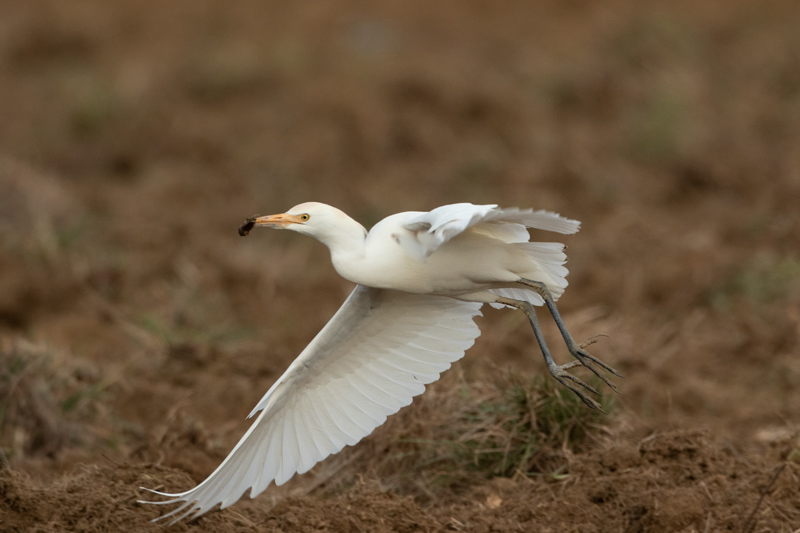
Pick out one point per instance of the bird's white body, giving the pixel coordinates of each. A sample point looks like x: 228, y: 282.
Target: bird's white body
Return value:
x: 479, y: 255
x: 385, y: 263
x: 421, y: 278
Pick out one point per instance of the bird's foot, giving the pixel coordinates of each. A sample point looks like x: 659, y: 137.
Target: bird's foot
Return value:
x: 562, y: 376
x: 583, y: 358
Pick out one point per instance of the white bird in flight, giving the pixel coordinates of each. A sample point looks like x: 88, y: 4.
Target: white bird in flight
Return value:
x: 421, y: 278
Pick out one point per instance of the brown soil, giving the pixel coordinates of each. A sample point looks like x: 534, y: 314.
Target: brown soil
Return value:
x: 137, y: 329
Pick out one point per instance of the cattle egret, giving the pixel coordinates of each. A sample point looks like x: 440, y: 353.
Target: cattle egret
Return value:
x: 421, y: 278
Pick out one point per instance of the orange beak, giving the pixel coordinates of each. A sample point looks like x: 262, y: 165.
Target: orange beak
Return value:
x: 281, y: 221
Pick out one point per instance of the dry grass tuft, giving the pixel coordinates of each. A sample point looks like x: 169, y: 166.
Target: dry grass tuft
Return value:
x: 460, y: 434
x: 44, y: 405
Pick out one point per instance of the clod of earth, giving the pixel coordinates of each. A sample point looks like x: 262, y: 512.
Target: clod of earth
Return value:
x: 245, y: 228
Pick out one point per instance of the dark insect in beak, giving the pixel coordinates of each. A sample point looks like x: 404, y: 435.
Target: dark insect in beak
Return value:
x: 245, y: 228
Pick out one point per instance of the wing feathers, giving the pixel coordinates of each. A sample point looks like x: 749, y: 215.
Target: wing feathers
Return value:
x: 544, y: 220
x: 420, y: 371
x: 434, y: 228
x: 326, y: 440
x: 261, y: 466
x: 287, y: 467
x: 347, y: 429
x: 378, y: 351
x: 391, y: 397
x: 305, y: 443
x: 319, y: 445
x: 411, y: 389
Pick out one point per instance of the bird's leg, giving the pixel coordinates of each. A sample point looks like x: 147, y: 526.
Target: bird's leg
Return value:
x: 574, y: 348
x: 558, y: 372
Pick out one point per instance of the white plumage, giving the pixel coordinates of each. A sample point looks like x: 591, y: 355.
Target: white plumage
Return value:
x: 421, y: 279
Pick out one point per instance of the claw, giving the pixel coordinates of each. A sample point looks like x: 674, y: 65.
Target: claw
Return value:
x: 561, y: 375
x: 581, y: 355
x: 577, y: 351
x: 571, y: 364
x: 577, y: 380
x: 591, y: 402
x: 591, y: 340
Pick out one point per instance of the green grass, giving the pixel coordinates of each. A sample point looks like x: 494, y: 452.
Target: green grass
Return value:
x: 90, y: 393
x: 175, y: 334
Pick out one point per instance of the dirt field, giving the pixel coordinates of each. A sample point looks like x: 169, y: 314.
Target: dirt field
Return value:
x: 137, y: 329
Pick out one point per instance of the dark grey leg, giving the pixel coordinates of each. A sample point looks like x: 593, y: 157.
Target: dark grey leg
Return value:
x: 558, y: 372
x: 574, y: 348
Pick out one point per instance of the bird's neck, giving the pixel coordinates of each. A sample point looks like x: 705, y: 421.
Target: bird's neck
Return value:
x: 346, y: 238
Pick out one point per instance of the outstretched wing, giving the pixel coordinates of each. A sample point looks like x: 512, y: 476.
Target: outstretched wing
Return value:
x: 436, y: 227
x: 378, y: 351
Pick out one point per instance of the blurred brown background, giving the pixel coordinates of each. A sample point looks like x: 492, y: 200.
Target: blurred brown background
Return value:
x: 137, y: 329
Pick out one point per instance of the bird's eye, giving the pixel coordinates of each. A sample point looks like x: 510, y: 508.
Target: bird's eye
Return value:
x: 304, y: 217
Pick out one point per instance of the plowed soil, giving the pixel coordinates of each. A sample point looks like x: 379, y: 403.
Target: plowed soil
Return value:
x: 137, y: 329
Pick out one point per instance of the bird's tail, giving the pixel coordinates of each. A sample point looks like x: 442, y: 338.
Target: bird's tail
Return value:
x: 547, y: 266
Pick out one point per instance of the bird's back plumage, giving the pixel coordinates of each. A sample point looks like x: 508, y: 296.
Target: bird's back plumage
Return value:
x: 431, y: 231
x: 439, y: 225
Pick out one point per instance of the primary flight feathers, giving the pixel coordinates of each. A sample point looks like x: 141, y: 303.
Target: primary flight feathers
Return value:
x: 378, y: 351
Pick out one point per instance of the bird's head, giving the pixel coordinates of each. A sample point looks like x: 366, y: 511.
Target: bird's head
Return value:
x: 321, y: 221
